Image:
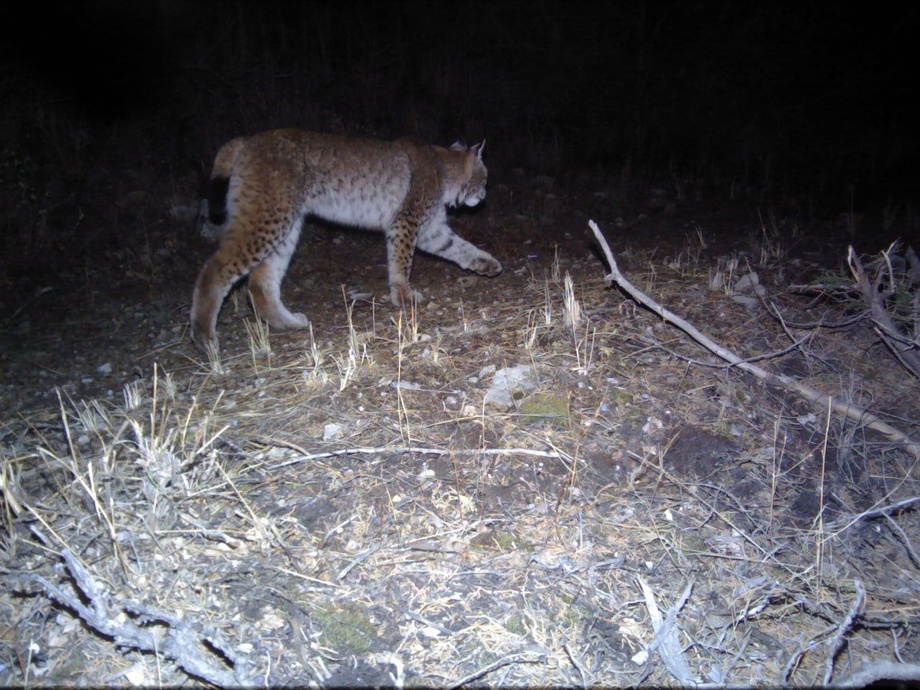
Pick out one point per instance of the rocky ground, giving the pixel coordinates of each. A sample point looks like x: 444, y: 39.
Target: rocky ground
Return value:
x: 366, y: 503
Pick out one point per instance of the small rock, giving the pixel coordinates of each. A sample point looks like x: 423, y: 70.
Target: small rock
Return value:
x: 507, y: 381
x: 750, y: 283
x: 748, y: 302
x: 333, y: 432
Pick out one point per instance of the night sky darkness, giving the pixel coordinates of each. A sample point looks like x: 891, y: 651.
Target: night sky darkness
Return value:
x: 799, y: 99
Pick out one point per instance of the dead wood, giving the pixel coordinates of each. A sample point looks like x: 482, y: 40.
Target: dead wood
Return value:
x: 880, y: 671
x: 875, y: 294
x: 667, y: 641
x: 810, y: 394
x: 134, y: 625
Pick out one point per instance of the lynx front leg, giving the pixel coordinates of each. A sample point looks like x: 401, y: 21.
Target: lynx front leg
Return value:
x: 265, y: 285
x: 401, y: 238
x: 440, y: 240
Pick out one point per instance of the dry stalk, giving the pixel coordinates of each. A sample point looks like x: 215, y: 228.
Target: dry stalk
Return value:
x: 214, y: 365
x: 134, y: 395
x: 353, y: 344
x: 571, y: 307
x: 258, y: 337
x: 810, y: 394
x: 89, y: 486
x: 315, y: 374
x: 530, y: 333
x: 10, y: 489
x: 547, y: 305
x: 405, y: 428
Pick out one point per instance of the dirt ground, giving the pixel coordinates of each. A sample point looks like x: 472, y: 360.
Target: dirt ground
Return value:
x: 358, y: 505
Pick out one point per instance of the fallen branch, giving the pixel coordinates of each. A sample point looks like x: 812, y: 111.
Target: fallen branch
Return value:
x: 134, y: 625
x: 523, y: 658
x: 902, y: 348
x: 810, y: 394
x: 885, y: 512
x: 305, y: 456
x: 667, y: 641
x: 837, y: 642
x: 879, y: 671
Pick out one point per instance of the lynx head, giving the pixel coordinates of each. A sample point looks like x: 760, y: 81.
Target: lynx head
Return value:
x: 468, y: 175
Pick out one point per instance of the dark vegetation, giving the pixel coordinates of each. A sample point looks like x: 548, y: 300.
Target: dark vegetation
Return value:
x: 802, y: 105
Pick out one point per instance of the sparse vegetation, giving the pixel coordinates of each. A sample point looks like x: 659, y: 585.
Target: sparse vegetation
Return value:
x: 342, y: 505
x: 388, y: 543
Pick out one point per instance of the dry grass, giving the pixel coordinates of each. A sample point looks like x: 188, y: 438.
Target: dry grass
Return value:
x: 356, y: 514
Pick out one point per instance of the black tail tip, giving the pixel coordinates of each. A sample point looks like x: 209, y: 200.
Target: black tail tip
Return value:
x: 217, y: 200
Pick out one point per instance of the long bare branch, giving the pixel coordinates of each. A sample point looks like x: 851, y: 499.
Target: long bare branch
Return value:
x: 845, y: 409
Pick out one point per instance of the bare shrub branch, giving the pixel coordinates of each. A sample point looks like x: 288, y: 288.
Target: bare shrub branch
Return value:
x: 199, y: 653
x: 876, y: 295
x: 810, y: 394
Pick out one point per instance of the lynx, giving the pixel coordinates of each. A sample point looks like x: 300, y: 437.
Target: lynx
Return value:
x: 262, y: 187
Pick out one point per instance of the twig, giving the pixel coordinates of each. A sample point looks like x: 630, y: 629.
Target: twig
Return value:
x: 125, y: 624
x: 837, y: 641
x: 875, y: 299
x: 510, y: 659
x: 666, y: 640
x: 576, y: 664
x: 879, y: 670
x: 736, y: 657
x: 305, y: 456
x: 360, y: 558
x: 852, y: 412
x: 754, y: 358
x: 876, y: 512
x: 424, y: 621
x: 914, y: 556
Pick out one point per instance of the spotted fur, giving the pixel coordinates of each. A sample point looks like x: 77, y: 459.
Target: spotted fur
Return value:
x: 262, y: 187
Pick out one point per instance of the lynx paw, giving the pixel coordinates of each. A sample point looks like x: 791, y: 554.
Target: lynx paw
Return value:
x: 404, y: 297
x: 280, y: 319
x: 207, y: 347
x: 292, y: 322
x: 486, y: 266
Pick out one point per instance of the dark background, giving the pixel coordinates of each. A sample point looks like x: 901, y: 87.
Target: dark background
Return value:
x: 812, y: 105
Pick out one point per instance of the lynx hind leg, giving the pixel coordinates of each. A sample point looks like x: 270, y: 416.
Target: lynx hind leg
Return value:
x: 217, y: 276
x: 265, y: 286
x: 240, y: 251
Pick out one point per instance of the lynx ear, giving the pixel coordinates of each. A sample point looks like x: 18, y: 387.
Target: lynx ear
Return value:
x: 458, y: 145
x: 477, y: 149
